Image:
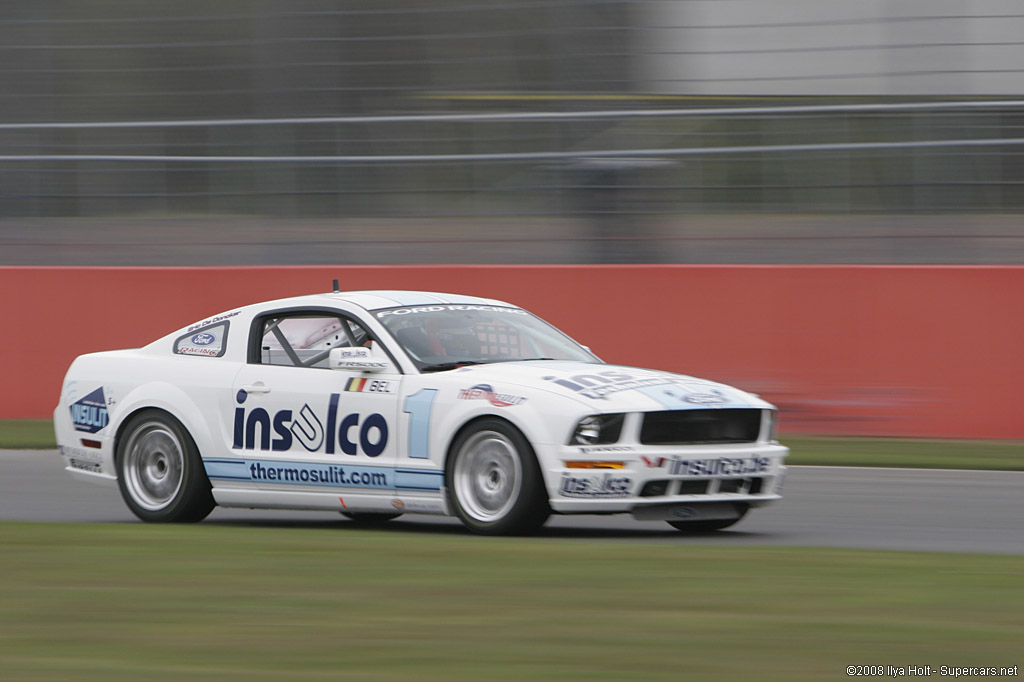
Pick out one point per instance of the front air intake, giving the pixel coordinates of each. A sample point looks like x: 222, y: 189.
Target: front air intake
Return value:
x: 691, y: 427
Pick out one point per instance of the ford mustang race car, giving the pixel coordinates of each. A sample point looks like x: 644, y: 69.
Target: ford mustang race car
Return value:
x: 380, y: 403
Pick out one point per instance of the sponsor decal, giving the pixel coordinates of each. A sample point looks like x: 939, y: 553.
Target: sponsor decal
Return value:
x: 89, y: 414
x: 85, y: 465
x: 73, y: 389
x: 705, y: 399
x: 426, y: 506
x: 653, y: 462
x: 80, y: 453
x: 441, y: 308
x: 726, y: 466
x: 369, y: 386
x: 208, y: 342
x: 351, y: 433
x: 665, y: 388
x: 300, y: 473
x: 684, y: 512
x: 357, y: 359
x: 203, y: 339
x: 606, y: 448
x: 362, y: 365
x: 190, y: 350
x: 398, y: 504
x: 608, y: 485
x: 213, y: 320
x: 320, y: 474
x: 324, y: 474
x: 486, y: 392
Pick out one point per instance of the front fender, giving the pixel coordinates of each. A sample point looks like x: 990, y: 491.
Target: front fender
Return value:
x: 541, y: 420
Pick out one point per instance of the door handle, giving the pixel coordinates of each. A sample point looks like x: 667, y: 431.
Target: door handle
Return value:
x: 258, y: 387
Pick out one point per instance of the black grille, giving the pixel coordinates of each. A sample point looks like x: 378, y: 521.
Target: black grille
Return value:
x: 683, y: 427
x: 731, y: 485
x: 693, y: 487
x: 654, y: 488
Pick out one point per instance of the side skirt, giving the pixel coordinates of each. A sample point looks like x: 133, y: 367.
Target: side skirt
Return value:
x: 338, y: 501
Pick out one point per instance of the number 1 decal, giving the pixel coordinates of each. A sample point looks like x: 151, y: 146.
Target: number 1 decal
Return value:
x: 418, y: 407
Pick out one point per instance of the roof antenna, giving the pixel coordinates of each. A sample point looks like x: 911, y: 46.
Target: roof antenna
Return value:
x: 336, y: 289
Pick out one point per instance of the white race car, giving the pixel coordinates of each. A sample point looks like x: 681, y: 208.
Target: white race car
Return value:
x: 380, y: 403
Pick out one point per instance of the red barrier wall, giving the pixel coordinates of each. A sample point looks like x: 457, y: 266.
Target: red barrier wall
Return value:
x: 881, y: 350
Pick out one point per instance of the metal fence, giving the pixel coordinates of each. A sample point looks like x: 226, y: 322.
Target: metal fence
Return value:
x: 611, y: 113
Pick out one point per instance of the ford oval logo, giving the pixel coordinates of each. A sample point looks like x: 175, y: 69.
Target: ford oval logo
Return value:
x: 203, y: 339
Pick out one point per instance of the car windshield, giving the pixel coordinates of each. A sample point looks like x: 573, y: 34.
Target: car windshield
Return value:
x: 443, y: 337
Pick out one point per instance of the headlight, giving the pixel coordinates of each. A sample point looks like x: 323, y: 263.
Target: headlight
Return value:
x: 773, y: 425
x: 598, y: 429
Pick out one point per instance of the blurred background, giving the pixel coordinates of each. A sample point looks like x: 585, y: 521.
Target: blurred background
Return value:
x: 511, y: 131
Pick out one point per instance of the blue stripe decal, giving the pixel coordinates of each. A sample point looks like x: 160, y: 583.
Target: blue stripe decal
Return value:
x: 341, y: 475
x: 226, y: 468
x: 419, y: 480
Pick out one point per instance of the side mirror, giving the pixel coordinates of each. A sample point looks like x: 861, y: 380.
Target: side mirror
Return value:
x: 358, y: 359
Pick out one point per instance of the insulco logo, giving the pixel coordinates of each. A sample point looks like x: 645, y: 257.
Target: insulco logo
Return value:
x: 257, y: 429
x: 594, y: 486
x: 601, y: 384
x: 89, y: 414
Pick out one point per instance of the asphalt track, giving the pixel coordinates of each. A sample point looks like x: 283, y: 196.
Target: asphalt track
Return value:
x: 900, y: 509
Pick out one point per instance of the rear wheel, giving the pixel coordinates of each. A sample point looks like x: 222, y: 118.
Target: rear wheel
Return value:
x: 160, y: 473
x: 494, y: 483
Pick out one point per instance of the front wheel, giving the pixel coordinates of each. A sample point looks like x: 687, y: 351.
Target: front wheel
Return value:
x: 159, y: 470
x: 494, y: 482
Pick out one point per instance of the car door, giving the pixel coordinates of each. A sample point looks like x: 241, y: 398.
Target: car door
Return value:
x: 301, y: 426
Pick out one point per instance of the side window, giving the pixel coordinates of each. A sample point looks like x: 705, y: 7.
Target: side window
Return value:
x: 208, y: 341
x: 306, y: 339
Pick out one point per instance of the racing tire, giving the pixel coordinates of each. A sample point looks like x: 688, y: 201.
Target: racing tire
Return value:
x: 707, y: 526
x: 494, y: 483
x: 369, y: 518
x: 159, y: 471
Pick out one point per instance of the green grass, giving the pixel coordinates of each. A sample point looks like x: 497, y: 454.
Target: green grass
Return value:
x: 37, y: 434
x: 131, y: 602
x: 27, y: 434
x: 905, y: 452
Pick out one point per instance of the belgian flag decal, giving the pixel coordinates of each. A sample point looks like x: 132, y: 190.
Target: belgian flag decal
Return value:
x: 355, y: 385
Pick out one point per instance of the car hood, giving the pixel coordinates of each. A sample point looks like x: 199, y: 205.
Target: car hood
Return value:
x: 611, y: 388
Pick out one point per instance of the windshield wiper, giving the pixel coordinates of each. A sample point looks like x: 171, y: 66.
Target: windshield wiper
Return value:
x: 445, y: 366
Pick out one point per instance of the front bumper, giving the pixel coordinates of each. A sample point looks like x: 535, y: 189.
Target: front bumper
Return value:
x: 665, y: 483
